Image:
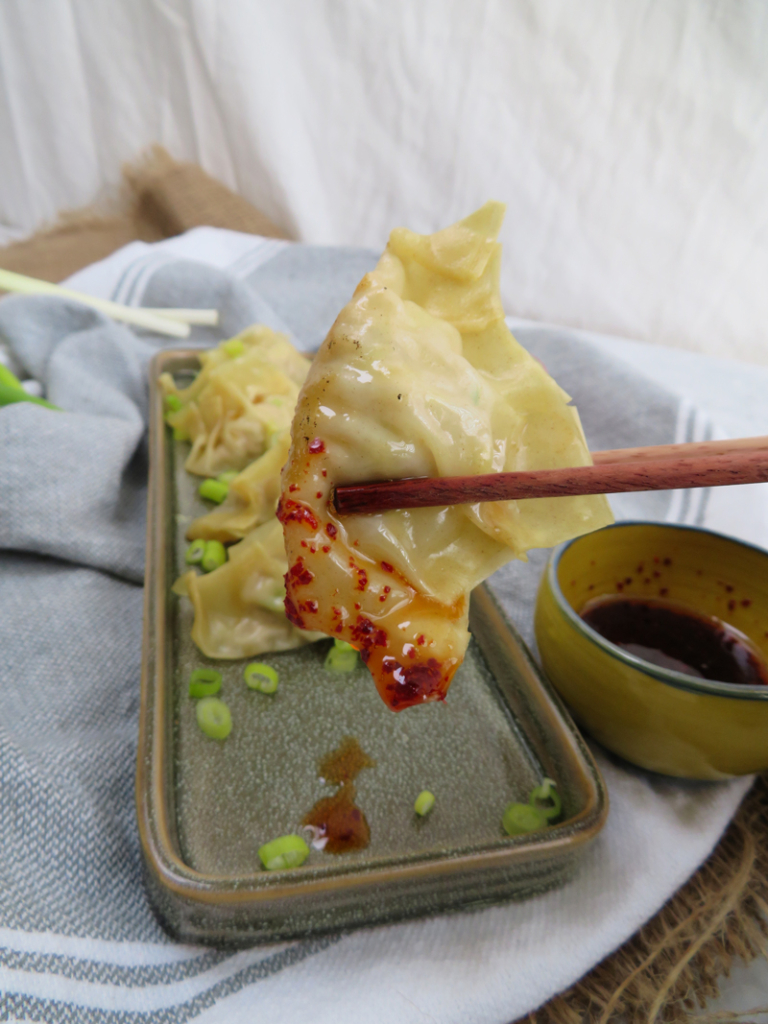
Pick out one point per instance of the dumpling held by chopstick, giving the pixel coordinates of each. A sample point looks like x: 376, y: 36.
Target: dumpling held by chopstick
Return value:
x: 420, y: 376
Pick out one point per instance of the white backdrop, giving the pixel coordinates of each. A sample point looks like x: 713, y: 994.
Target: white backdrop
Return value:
x: 630, y: 140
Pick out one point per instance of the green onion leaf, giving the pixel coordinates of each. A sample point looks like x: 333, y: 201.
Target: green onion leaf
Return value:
x: 260, y: 677
x: 204, y: 682
x: 521, y: 818
x: 214, y: 718
x: 194, y: 553
x: 342, y: 657
x: 213, y: 490
x: 215, y: 555
x: 285, y: 852
x: 234, y: 347
x: 546, y: 799
x: 8, y: 378
x: 9, y: 394
x: 425, y: 801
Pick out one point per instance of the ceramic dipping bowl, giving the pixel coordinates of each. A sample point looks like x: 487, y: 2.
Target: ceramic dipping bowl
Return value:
x: 658, y: 718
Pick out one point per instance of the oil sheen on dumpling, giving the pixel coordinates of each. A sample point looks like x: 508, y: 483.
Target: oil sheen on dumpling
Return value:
x: 244, y: 394
x: 419, y: 376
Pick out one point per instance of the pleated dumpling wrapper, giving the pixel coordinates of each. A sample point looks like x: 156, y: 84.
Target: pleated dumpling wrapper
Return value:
x: 239, y: 610
x: 244, y: 394
x: 251, y: 499
x: 420, y: 376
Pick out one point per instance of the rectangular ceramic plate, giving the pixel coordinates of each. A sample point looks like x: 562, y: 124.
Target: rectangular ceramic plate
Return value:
x: 204, y: 807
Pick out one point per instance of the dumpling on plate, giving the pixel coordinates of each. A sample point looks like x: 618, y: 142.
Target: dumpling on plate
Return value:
x: 251, y: 500
x: 239, y: 607
x: 420, y: 376
x: 244, y: 394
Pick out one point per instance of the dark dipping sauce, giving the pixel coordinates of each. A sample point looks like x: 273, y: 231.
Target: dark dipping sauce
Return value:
x: 674, y: 637
x: 337, y: 819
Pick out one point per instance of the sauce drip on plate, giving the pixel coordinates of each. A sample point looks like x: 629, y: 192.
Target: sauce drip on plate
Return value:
x: 338, y: 823
x: 674, y: 637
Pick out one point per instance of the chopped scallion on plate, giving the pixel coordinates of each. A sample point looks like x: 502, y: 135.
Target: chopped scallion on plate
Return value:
x: 172, y: 403
x: 204, y: 682
x: 195, y: 552
x: 285, y: 852
x: 260, y: 677
x: 214, y: 556
x: 521, y: 818
x: 342, y: 657
x: 425, y: 801
x: 234, y: 347
x: 546, y: 799
x: 214, y: 718
x: 213, y: 490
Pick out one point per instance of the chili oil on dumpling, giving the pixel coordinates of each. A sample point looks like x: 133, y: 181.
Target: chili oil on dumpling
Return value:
x: 420, y: 376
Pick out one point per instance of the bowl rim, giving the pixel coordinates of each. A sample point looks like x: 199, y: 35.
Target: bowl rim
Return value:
x: 679, y: 680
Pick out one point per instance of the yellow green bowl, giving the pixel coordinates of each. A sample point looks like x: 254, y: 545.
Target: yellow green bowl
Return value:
x: 657, y: 718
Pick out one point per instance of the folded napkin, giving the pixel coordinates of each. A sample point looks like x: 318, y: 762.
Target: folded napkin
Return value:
x: 78, y: 940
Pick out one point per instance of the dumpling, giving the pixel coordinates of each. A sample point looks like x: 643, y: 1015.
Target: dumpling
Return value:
x: 252, y: 497
x: 419, y: 376
x: 244, y: 394
x: 239, y: 607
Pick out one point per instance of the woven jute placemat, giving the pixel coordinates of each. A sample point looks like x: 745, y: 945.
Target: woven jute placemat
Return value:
x: 670, y: 968
x: 160, y: 197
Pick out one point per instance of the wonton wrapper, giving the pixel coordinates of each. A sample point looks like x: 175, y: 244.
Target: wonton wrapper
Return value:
x: 237, y: 403
x: 420, y: 376
x: 239, y: 607
x: 252, y: 497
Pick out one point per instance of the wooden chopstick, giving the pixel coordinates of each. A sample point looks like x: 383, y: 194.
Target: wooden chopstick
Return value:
x: 665, y: 467
x: 679, y: 451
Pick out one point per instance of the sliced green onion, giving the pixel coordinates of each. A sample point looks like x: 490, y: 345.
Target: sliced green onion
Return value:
x: 425, y: 801
x: 276, y: 400
x: 546, y: 799
x: 215, y: 555
x: 228, y: 477
x: 173, y: 403
x: 342, y: 657
x: 214, y: 718
x: 179, y: 434
x: 285, y: 852
x: 204, y: 682
x: 521, y: 818
x: 194, y: 553
x: 260, y: 677
x: 234, y: 347
x: 213, y: 490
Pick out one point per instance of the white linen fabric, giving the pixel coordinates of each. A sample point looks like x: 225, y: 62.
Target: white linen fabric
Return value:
x: 78, y: 940
x: 628, y: 139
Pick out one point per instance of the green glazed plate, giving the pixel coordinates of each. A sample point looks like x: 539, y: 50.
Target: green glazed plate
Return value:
x: 204, y: 808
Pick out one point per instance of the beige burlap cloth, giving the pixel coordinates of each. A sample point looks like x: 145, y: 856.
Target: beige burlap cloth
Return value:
x: 668, y: 969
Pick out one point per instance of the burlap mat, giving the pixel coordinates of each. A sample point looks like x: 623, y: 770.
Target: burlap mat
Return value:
x: 160, y: 197
x: 668, y: 969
